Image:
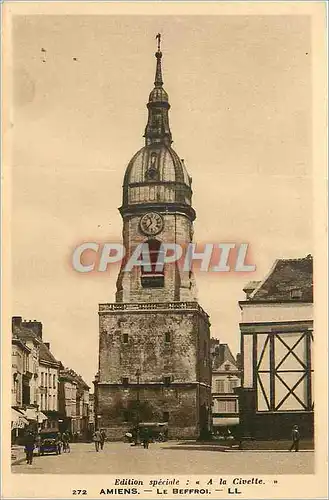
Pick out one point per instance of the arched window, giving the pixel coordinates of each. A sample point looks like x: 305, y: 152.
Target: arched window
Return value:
x: 152, y: 172
x: 153, y: 160
x: 153, y: 277
x: 167, y: 337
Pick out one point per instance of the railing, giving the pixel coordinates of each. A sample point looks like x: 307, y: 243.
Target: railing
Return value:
x: 149, y: 306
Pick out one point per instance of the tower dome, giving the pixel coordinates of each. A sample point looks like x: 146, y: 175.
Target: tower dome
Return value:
x: 158, y: 95
x: 156, y: 175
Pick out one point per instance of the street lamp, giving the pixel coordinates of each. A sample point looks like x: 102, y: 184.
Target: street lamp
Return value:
x: 137, y: 440
x: 61, y: 425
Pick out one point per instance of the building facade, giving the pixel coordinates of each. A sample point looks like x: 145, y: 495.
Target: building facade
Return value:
x: 29, y: 362
x: 20, y: 370
x: 67, y: 401
x: 276, y: 346
x: 225, y: 379
x: 20, y: 378
x: 28, y: 354
x: 48, y: 385
x: 46, y: 394
x: 82, y: 408
x: 154, y: 345
x: 73, y: 404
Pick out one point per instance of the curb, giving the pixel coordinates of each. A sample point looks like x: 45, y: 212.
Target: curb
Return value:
x: 18, y: 461
x: 283, y: 450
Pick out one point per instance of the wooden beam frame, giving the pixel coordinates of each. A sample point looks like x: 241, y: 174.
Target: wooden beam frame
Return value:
x: 274, y: 371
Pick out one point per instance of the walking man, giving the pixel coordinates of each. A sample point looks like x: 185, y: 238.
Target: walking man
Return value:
x: 97, y: 439
x: 103, y: 437
x: 295, y: 436
x: 66, y: 442
x: 29, y: 447
x: 146, y: 440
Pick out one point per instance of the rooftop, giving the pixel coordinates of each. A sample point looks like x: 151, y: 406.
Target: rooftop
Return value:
x: 223, y: 354
x: 289, y: 279
x: 46, y: 355
x: 24, y: 333
x: 71, y: 375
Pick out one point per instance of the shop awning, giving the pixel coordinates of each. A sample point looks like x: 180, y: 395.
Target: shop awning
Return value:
x: 41, y: 417
x: 30, y: 413
x: 18, y: 421
x: 34, y: 414
x: 153, y: 424
x: 225, y: 421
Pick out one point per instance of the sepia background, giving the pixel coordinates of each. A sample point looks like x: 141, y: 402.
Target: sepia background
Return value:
x: 240, y: 94
x: 277, y: 200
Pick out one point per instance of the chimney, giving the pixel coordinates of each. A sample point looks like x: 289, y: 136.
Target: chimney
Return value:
x: 47, y: 344
x: 16, y: 321
x: 214, y: 346
x: 249, y: 288
x: 35, y: 326
x: 239, y: 360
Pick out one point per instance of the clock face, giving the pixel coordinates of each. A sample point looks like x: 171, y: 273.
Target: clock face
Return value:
x: 151, y: 223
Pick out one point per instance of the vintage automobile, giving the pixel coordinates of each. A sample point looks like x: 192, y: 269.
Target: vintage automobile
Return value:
x: 50, y: 442
x: 156, y: 431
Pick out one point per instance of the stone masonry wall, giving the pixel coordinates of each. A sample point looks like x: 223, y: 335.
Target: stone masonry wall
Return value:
x: 146, y: 348
x: 179, y: 402
x: 136, y: 340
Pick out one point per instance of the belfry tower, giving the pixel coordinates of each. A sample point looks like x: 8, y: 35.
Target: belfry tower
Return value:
x: 154, y: 362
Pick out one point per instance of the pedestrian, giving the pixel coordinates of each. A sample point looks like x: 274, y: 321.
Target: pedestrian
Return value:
x: 60, y: 442
x: 295, y: 436
x: 97, y: 439
x: 29, y: 447
x: 146, y: 440
x: 103, y: 438
x: 38, y: 443
x: 66, y: 442
x: 63, y: 439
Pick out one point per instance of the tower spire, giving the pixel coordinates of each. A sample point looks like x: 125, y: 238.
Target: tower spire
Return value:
x: 157, y: 129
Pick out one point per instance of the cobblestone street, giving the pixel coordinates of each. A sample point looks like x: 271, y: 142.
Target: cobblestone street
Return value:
x: 168, y: 458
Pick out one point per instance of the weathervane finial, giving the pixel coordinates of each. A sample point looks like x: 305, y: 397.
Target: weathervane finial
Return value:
x: 158, y: 37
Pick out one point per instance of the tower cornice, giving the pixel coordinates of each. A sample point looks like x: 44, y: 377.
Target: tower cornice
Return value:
x: 174, y: 208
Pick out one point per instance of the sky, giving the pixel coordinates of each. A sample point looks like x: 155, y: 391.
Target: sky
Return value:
x: 240, y: 92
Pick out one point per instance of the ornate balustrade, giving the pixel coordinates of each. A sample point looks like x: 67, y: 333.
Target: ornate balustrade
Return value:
x: 151, y: 306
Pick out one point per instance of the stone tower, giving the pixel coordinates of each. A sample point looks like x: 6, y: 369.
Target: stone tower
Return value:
x: 154, y: 363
